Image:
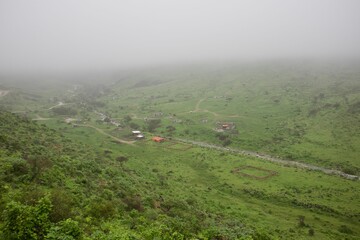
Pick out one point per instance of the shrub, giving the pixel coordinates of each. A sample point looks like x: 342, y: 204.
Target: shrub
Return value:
x: 134, y: 202
x: 65, y: 230
x: 153, y: 124
x: 345, y: 229
x: 301, y: 221
x: 27, y: 222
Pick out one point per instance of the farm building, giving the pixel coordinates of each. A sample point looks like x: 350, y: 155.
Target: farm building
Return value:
x: 158, y: 114
x: 140, y: 136
x: 158, y: 139
x: 225, y: 125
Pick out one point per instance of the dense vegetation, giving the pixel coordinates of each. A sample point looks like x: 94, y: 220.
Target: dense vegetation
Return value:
x: 53, y: 188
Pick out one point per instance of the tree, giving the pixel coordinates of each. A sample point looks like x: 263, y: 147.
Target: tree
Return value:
x: 153, y: 124
x: 226, y: 142
x: 170, y: 128
x: 134, y: 125
x: 301, y: 222
x: 65, y: 230
x: 127, y: 119
x: 345, y: 229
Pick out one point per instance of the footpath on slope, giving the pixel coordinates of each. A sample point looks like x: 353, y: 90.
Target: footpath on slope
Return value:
x: 39, y: 118
x: 106, y: 134
x: 198, y: 109
x: 272, y: 159
x: 57, y: 105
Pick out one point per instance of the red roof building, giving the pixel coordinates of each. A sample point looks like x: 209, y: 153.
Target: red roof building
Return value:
x: 158, y: 139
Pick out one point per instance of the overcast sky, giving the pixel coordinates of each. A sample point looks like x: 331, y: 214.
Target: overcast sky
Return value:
x: 100, y: 34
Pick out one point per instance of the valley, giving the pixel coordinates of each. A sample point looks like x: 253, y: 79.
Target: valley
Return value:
x: 262, y: 151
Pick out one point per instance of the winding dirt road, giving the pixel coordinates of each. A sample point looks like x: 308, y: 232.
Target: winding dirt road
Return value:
x: 273, y: 159
x: 198, y: 109
x: 106, y: 134
x: 39, y: 118
x: 57, y: 105
x: 197, y: 106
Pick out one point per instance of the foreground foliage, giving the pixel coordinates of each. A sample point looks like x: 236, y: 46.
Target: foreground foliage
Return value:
x: 53, y: 188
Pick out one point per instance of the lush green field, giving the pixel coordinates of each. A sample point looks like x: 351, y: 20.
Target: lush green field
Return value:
x: 115, y: 188
x: 306, y: 113
x: 196, y: 189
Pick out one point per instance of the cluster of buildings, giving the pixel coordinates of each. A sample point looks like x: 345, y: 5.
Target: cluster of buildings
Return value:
x: 139, y: 136
x: 223, y: 126
x: 105, y: 118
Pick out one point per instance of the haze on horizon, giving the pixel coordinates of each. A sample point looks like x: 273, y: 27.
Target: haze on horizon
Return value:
x: 45, y: 35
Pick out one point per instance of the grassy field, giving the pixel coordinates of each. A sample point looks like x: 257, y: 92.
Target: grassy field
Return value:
x: 308, y: 114
x: 205, y: 179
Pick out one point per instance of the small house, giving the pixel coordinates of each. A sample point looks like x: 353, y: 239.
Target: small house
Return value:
x: 136, y: 132
x: 225, y: 126
x: 158, y: 139
x: 158, y: 114
x: 140, y: 136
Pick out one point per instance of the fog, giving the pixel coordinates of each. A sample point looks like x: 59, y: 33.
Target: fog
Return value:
x: 50, y: 35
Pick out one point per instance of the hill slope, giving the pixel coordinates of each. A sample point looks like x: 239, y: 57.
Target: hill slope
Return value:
x: 60, y: 187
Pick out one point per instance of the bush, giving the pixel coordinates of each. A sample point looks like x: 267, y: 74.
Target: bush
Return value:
x: 27, y: 222
x: 134, y: 125
x: 122, y: 159
x: 134, y: 203
x: 345, y: 229
x: 102, y: 209
x: 64, y: 203
x: 153, y: 124
x: 14, y: 169
x: 65, y: 230
x: 301, y: 222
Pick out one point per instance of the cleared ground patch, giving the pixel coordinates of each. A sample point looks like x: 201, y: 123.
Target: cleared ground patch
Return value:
x: 254, y: 172
x: 179, y: 146
x: 170, y: 144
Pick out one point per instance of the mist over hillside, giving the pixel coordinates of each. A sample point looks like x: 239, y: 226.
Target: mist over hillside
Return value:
x: 95, y: 36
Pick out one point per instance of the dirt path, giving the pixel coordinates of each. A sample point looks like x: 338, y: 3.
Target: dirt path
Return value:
x: 57, y: 105
x: 106, y: 134
x: 273, y: 159
x: 198, y: 109
x: 3, y: 93
x: 197, y: 106
x: 39, y: 118
x: 19, y: 111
